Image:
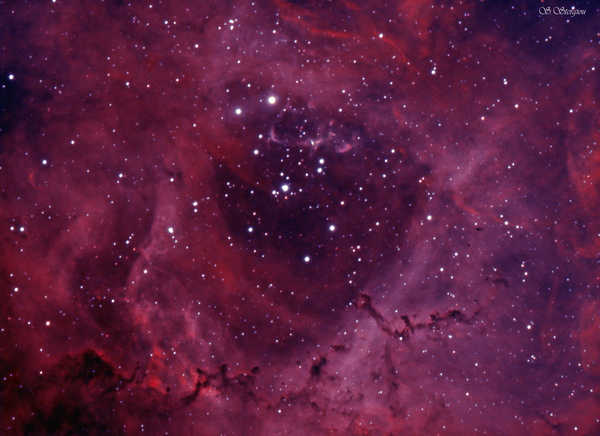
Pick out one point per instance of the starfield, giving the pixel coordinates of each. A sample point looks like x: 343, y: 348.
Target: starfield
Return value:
x: 301, y: 217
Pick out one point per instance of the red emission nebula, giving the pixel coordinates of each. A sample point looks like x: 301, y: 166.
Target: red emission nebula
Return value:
x: 299, y: 217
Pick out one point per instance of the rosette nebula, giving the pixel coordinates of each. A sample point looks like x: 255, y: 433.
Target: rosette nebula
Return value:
x: 299, y: 217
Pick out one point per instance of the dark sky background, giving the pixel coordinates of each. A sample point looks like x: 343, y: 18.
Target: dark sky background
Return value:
x: 299, y: 217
